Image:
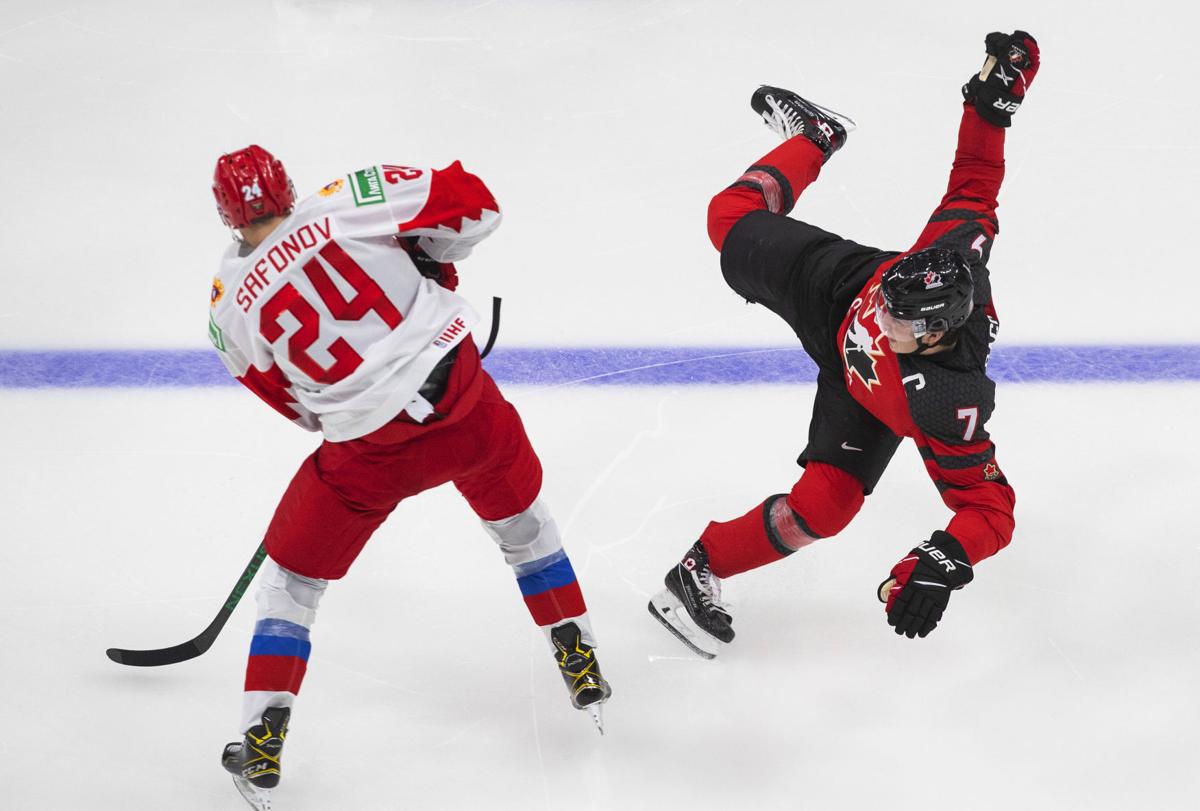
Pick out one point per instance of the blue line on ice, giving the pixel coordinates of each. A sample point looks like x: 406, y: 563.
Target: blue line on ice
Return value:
x: 644, y: 366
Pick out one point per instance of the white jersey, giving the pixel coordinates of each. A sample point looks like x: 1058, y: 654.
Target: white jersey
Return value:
x: 328, y: 319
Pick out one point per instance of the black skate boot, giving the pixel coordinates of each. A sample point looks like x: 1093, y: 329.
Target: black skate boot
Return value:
x: 254, y: 761
x: 690, y: 606
x: 789, y: 115
x: 580, y: 670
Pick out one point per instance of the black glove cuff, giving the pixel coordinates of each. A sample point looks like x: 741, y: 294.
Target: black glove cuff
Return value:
x: 942, y: 556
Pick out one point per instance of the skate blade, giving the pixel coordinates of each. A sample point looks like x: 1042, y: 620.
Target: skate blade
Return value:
x: 848, y: 123
x: 668, y: 610
x: 258, y: 798
x: 597, y: 712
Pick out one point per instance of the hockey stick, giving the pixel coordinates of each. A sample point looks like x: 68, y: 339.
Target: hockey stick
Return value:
x: 988, y: 64
x: 198, y: 645
x: 491, y: 341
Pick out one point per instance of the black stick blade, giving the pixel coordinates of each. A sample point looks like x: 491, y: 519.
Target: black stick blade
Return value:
x: 198, y: 645
x: 155, y: 658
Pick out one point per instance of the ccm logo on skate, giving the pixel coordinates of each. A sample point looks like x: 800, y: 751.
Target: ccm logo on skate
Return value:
x: 457, y: 327
x: 939, y: 556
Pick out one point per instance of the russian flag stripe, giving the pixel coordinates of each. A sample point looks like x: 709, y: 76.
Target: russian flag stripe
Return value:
x: 535, y: 566
x: 277, y: 627
x: 280, y: 646
x: 556, y: 604
x: 276, y: 674
x: 555, y: 575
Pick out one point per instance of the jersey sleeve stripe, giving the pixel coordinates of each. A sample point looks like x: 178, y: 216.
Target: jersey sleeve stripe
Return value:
x: 958, y: 462
x: 963, y: 214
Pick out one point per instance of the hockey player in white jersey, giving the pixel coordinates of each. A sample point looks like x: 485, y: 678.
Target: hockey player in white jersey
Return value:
x: 339, y: 311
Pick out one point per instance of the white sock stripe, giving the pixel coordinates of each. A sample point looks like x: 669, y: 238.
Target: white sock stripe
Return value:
x: 255, y: 703
x: 585, y: 629
x: 526, y: 537
x: 285, y: 595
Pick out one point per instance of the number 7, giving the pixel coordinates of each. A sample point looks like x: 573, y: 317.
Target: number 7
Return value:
x: 971, y: 415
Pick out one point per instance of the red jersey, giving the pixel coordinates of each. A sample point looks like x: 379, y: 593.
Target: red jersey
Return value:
x: 941, y: 401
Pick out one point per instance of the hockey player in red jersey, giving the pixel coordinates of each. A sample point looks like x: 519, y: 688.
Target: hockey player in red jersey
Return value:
x: 339, y: 311
x: 901, y: 341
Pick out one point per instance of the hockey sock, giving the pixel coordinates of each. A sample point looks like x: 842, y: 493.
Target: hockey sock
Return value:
x: 287, y: 608
x: 784, y: 172
x: 774, y: 182
x: 767, y: 533
x: 531, y: 545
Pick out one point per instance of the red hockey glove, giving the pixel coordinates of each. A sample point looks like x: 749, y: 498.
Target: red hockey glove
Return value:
x: 919, y: 587
x: 998, y: 90
x: 444, y: 273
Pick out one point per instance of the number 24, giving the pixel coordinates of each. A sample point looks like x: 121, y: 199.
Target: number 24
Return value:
x: 368, y: 297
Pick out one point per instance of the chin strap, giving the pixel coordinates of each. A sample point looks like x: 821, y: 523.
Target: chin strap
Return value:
x: 948, y: 339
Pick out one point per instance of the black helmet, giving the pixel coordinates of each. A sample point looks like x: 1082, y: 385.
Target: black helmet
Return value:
x: 932, y: 287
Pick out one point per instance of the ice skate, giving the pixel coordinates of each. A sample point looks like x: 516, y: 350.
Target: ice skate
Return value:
x: 690, y: 606
x: 254, y: 761
x: 580, y: 671
x: 789, y: 115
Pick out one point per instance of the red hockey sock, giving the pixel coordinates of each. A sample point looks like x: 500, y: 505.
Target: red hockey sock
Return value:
x: 743, y: 543
x: 797, y: 161
x: 772, y: 183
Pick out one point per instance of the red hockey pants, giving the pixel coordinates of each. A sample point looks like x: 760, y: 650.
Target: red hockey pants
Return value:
x: 345, y: 490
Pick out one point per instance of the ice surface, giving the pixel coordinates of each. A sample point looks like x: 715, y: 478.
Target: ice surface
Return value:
x: 603, y: 128
x: 1065, y: 676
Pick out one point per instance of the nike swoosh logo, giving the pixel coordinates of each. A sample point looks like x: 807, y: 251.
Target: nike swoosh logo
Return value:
x: 848, y: 447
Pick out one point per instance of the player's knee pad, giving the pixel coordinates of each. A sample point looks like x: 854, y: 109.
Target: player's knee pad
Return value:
x: 527, y: 536
x: 825, y: 499
x: 285, y: 595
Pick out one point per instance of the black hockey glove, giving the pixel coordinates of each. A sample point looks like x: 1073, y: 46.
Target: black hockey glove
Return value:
x: 919, y: 587
x: 998, y: 90
x: 444, y: 273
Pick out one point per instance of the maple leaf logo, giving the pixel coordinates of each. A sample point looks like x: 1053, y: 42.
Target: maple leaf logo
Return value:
x: 860, y: 355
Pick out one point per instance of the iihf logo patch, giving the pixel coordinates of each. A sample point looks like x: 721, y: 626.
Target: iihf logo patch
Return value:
x: 933, y: 279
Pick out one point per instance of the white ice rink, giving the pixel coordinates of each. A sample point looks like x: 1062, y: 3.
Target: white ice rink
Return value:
x: 1066, y: 676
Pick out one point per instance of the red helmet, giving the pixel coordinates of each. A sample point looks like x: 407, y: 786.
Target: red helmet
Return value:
x: 249, y: 184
